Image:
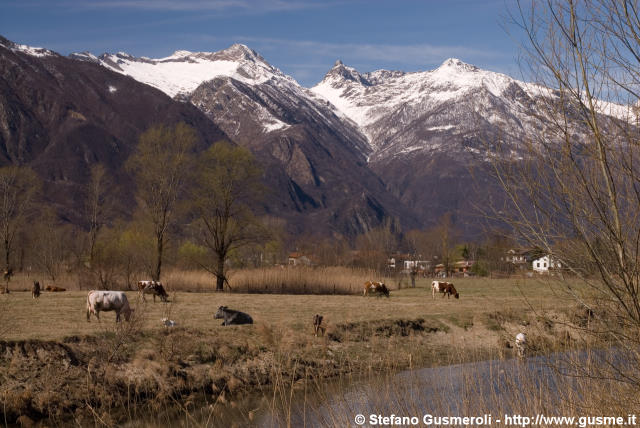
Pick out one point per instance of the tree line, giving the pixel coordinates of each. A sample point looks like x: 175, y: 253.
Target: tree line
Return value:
x: 206, y: 196
x: 193, y: 208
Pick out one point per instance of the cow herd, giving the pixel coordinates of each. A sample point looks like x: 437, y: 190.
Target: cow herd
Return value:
x: 106, y: 300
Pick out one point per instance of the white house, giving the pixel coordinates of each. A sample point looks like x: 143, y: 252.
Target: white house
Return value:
x: 299, y: 259
x: 543, y: 264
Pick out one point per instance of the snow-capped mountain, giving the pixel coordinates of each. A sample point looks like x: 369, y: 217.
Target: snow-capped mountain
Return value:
x: 183, y: 71
x: 309, y: 149
x: 357, y: 147
x: 180, y: 75
x: 401, y: 113
x: 61, y: 116
x: 25, y: 49
x: 429, y: 132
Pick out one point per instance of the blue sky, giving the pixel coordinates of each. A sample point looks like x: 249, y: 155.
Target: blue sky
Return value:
x: 301, y: 37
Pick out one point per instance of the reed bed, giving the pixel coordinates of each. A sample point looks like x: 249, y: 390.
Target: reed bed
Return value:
x: 282, y: 280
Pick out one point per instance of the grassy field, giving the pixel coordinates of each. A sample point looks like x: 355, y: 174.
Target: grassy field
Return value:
x: 56, y: 366
x: 55, y: 316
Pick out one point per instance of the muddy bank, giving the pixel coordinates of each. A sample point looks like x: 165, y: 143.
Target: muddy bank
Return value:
x: 122, y: 374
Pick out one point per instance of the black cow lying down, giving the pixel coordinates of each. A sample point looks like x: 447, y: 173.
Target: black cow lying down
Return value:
x: 232, y: 317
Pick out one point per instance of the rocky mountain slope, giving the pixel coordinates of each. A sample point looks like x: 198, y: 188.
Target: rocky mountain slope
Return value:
x: 429, y: 132
x: 425, y: 134
x: 316, y: 159
x: 61, y: 116
x: 350, y: 152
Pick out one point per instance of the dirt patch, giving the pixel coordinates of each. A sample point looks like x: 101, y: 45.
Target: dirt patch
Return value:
x: 364, y: 331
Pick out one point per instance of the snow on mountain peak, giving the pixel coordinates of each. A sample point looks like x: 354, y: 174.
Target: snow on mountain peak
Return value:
x: 183, y: 71
x: 340, y: 73
x: 29, y: 50
x: 455, y: 63
x: 365, y: 98
x: 84, y: 56
x: 241, y: 52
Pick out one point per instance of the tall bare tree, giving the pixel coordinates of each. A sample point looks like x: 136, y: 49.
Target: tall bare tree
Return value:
x: 19, y: 187
x: 574, y: 189
x: 53, y: 243
x: 229, y: 182
x: 163, y: 167
x: 96, y: 205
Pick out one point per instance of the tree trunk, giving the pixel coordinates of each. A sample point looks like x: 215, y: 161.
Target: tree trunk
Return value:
x: 220, y: 275
x: 7, y: 268
x: 156, y: 275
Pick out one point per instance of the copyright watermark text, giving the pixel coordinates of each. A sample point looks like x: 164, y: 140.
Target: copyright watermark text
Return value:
x: 489, y: 420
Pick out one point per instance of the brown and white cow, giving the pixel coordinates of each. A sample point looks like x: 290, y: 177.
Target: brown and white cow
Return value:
x: 35, y: 290
x: 152, y: 287
x: 103, y: 300
x: 446, y: 288
x: 373, y: 287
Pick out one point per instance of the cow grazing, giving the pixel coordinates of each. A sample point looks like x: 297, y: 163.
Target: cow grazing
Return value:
x: 521, y: 344
x: 446, y: 288
x: 54, y: 289
x: 232, y: 317
x: 152, y: 287
x: 317, y: 325
x: 35, y: 290
x: 378, y: 288
x: 101, y: 300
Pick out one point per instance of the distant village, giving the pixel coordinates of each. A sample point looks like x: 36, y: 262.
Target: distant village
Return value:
x: 514, y: 261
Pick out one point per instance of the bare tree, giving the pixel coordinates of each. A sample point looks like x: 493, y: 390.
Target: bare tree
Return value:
x: 53, y: 242
x: 19, y: 187
x: 573, y: 190
x: 96, y: 205
x: 229, y: 182
x: 163, y: 166
x: 376, y: 246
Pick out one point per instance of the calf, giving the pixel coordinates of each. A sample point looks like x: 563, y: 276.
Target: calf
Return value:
x: 152, y: 287
x: 35, y: 290
x: 54, y: 289
x: 232, y: 317
x: 101, y: 300
x: 317, y: 325
x: 372, y: 287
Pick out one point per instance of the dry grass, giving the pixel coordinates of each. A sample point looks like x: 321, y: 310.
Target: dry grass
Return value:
x: 57, y: 315
x: 166, y: 366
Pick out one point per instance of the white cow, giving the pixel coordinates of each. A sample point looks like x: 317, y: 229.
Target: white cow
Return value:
x: 101, y: 300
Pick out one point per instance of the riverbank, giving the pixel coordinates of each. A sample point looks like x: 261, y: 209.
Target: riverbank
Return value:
x: 55, y: 366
